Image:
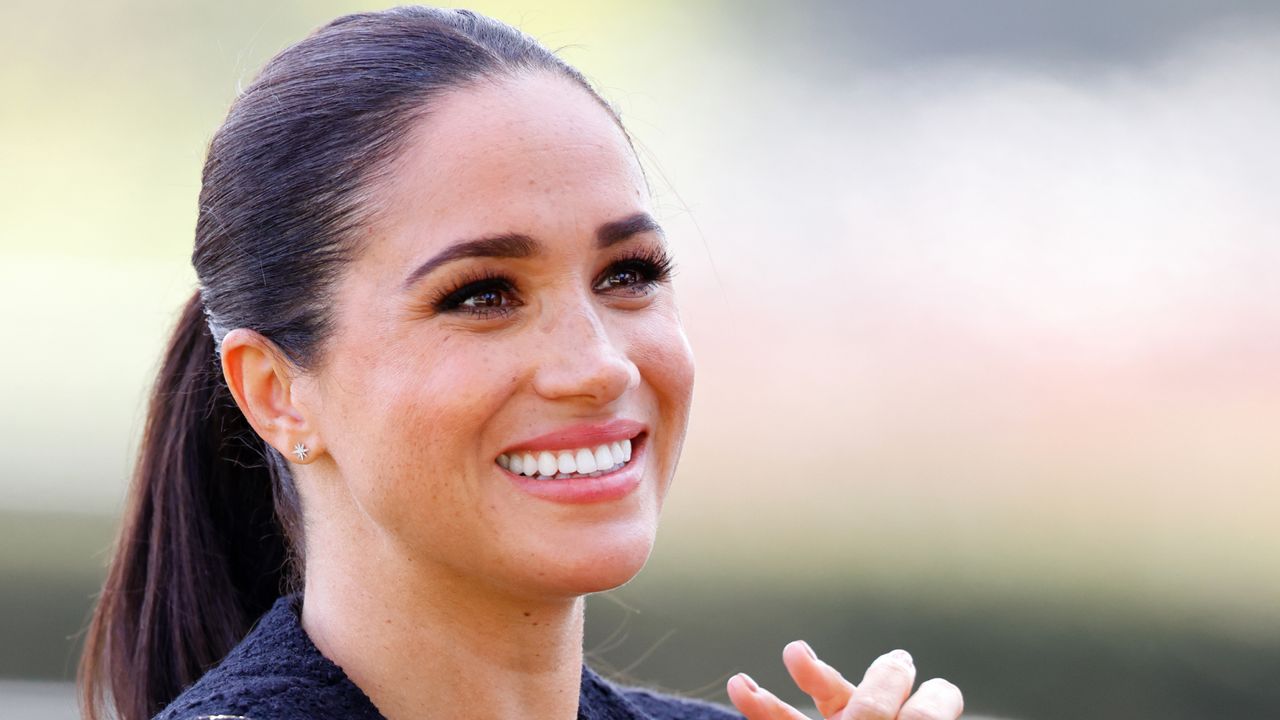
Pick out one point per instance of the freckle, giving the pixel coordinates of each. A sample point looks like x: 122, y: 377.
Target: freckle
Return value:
x: 527, y: 613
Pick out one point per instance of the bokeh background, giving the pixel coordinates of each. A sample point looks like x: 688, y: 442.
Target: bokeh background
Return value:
x: 984, y: 297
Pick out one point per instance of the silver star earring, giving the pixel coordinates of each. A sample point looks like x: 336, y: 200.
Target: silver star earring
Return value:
x: 301, y: 451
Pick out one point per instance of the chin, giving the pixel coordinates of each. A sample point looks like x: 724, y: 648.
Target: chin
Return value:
x: 604, y: 563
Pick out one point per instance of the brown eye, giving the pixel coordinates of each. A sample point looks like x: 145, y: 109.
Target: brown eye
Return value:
x: 621, y: 278
x: 484, y: 299
x: 636, y: 275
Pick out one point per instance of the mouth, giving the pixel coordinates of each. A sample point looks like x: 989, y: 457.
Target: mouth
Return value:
x: 591, y: 461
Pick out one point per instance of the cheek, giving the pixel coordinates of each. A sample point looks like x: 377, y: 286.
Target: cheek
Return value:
x: 662, y: 353
x: 408, y: 431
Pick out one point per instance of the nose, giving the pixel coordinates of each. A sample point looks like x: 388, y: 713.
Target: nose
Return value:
x: 578, y: 359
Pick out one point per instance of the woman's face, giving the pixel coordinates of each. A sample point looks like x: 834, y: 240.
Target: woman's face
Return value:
x: 511, y: 301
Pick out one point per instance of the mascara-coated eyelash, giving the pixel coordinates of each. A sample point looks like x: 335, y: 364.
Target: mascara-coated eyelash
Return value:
x: 496, y: 293
x: 652, y: 265
x: 455, y: 298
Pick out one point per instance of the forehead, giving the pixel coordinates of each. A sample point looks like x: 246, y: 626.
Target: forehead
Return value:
x: 533, y: 153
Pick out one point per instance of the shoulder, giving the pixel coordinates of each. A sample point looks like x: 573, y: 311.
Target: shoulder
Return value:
x: 646, y: 704
x: 274, y: 673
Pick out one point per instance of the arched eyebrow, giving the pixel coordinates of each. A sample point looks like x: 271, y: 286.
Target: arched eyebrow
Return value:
x: 517, y: 245
x: 510, y: 245
x: 614, y: 232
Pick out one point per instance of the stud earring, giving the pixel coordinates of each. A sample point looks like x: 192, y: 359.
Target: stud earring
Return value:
x: 301, y: 451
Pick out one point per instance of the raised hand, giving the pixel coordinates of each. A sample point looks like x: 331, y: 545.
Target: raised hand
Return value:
x: 883, y: 694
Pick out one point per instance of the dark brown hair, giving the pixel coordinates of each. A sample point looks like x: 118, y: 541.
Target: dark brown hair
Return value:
x: 212, y: 529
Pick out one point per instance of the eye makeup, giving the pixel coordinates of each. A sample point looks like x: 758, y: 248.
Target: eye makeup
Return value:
x: 483, y: 294
x: 647, y: 266
x: 487, y: 294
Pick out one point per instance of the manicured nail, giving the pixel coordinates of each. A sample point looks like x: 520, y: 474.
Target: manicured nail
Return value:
x: 902, y: 656
x: 809, y: 650
x: 746, y: 680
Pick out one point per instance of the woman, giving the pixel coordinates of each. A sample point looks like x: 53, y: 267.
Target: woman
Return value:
x: 430, y: 394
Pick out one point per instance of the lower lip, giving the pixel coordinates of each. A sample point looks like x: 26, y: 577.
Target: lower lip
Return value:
x: 578, y: 491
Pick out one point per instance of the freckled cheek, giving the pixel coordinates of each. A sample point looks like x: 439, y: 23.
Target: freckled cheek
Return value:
x: 437, y: 412
x: 665, y: 362
x: 661, y: 352
x: 414, y: 476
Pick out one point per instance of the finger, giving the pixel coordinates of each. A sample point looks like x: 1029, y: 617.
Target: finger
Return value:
x: 828, y: 688
x: 936, y: 699
x: 883, y: 689
x: 757, y: 703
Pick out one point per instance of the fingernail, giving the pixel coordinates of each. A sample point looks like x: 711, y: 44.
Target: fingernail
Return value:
x: 746, y: 680
x: 809, y: 650
x: 903, y: 657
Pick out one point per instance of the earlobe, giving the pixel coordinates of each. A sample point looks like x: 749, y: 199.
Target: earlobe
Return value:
x: 261, y: 381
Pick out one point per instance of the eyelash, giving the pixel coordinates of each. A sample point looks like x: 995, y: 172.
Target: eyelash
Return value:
x: 653, y: 266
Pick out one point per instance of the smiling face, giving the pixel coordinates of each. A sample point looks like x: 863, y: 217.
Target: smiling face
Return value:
x: 511, y: 302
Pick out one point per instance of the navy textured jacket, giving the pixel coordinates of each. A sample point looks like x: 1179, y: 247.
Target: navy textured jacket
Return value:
x: 277, y: 673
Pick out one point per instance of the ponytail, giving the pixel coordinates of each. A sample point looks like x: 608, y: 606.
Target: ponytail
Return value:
x: 200, y: 555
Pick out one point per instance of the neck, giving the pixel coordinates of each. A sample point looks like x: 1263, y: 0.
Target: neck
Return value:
x: 436, y: 643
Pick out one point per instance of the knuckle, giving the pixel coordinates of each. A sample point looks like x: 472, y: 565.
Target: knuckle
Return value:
x: 923, y: 711
x: 871, y: 707
x: 937, y: 699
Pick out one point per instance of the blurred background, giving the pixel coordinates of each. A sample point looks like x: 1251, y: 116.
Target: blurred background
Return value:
x: 983, y: 295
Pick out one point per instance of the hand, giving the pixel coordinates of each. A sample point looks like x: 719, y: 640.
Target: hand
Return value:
x: 882, y: 695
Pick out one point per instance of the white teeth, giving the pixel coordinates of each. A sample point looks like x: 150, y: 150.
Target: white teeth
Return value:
x: 561, y: 464
x: 585, y: 461
x: 547, y: 463
x: 603, y: 459
x: 566, y: 462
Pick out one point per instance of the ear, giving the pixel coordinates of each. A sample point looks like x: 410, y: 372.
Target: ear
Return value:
x: 261, y: 379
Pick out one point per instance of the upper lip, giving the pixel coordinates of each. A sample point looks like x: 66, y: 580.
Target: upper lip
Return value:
x: 584, y: 435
